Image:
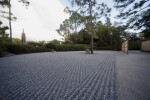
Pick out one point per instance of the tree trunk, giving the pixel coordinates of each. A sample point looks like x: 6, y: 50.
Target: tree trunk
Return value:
x: 10, y: 22
x: 90, y: 6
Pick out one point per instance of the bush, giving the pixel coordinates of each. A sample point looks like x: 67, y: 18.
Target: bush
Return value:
x: 4, y: 46
x: 135, y: 45
x: 1, y: 52
x: 25, y: 48
x: 112, y: 47
x: 14, y: 48
x: 116, y: 47
x: 71, y: 47
x: 50, y: 46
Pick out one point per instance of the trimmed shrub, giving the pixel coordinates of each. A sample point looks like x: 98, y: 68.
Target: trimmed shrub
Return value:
x: 15, y: 48
x: 25, y: 48
x: 1, y: 52
x: 71, y: 47
x: 50, y: 45
x: 4, y: 46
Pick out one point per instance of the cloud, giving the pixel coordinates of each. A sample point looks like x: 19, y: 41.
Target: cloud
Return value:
x: 40, y: 20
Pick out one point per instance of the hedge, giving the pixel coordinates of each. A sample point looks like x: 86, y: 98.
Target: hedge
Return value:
x: 1, y: 52
x: 71, y: 47
x: 3, y: 46
x: 25, y: 48
x: 50, y: 46
x: 14, y: 48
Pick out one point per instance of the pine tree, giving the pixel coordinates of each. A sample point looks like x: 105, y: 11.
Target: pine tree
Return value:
x: 92, y: 9
x: 136, y: 12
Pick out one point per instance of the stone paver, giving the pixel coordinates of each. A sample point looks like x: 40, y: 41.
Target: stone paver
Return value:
x: 59, y: 76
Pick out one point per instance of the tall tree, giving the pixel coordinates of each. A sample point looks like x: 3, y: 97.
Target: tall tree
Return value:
x: 136, y: 12
x: 8, y: 4
x: 92, y: 9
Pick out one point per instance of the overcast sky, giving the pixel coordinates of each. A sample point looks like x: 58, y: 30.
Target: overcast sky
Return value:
x: 41, y: 19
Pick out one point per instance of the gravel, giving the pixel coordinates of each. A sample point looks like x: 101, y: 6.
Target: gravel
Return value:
x: 105, y: 75
x: 59, y: 76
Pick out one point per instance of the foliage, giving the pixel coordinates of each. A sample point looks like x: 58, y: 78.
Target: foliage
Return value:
x: 135, y: 45
x: 42, y: 42
x: 137, y: 15
x: 4, y: 46
x: 71, y: 47
x: 4, y: 39
x: 38, y: 44
x: 1, y: 52
x: 76, y: 20
x: 65, y: 30
x: 87, y: 12
x: 4, y: 2
x: 109, y: 36
x: 50, y: 45
x: 14, y: 48
x: 16, y: 41
x: 55, y: 41
x: 32, y: 49
x: 106, y: 36
x: 33, y: 43
x: 82, y: 37
x: 3, y: 34
x: 146, y: 34
x: 25, y: 48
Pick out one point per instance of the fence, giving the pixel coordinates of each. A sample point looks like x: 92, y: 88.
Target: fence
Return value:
x: 145, y: 46
x: 125, y: 46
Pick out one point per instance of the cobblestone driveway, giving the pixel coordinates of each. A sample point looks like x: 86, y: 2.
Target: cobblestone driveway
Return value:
x: 59, y: 76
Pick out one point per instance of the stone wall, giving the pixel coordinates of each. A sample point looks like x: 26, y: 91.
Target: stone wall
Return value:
x: 145, y: 46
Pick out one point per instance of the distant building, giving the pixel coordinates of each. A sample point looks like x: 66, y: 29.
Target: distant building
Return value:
x: 23, y: 38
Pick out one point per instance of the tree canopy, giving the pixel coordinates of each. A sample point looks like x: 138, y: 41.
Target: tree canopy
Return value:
x: 136, y: 12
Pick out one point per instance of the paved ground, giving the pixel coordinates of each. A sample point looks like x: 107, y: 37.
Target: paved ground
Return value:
x: 134, y: 75
x: 67, y: 76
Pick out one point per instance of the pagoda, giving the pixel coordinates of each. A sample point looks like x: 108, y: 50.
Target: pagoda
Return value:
x: 23, y: 38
